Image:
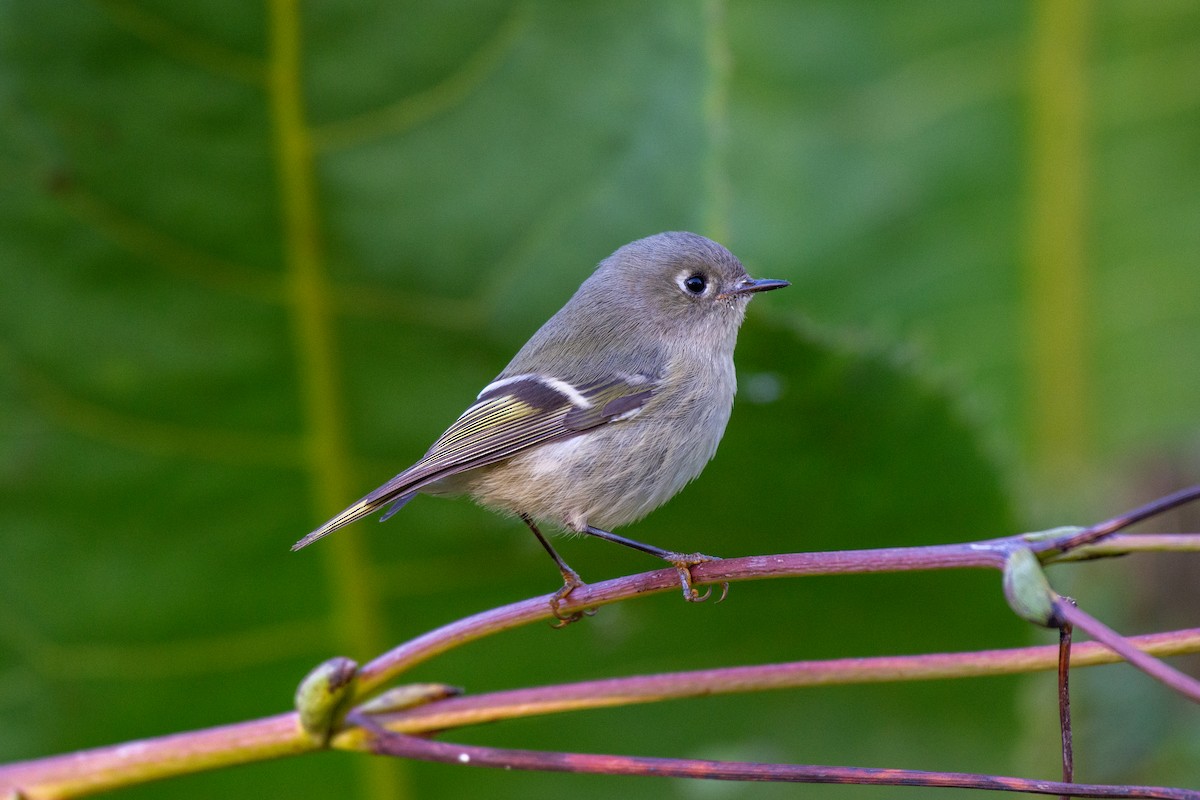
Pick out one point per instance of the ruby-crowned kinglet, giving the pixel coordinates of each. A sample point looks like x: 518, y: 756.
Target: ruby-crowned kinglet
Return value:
x: 615, y: 404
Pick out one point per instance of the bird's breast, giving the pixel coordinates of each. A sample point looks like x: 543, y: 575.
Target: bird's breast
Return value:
x: 617, y: 473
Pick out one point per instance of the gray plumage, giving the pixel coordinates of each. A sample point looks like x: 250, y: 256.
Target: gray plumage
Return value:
x: 630, y: 318
x: 612, y: 406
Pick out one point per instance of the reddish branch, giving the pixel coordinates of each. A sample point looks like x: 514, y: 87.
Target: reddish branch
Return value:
x: 456, y: 712
x: 502, y: 758
x: 1064, y: 701
x: 91, y: 771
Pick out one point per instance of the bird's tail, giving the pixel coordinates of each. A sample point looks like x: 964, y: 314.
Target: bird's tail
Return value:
x: 368, y: 505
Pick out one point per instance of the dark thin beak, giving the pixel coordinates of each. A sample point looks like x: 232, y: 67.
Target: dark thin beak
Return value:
x: 751, y: 285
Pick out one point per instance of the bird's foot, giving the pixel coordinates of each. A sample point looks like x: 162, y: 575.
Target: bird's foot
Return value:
x: 683, y: 563
x: 571, y: 581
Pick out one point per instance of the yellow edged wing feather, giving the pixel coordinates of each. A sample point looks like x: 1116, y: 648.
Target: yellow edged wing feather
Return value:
x: 510, y: 416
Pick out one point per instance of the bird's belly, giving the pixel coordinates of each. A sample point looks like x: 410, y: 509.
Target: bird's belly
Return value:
x: 605, y: 478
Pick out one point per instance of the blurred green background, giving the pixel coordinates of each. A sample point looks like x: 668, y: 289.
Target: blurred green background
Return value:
x: 254, y: 258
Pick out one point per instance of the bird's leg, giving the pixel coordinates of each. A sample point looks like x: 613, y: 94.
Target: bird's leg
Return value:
x: 682, y: 562
x: 570, y: 577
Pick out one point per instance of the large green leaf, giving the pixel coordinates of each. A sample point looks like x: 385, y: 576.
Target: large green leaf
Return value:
x: 253, y: 259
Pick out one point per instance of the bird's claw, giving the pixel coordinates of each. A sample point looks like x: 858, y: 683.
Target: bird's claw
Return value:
x: 683, y: 565
x: 571, y: 582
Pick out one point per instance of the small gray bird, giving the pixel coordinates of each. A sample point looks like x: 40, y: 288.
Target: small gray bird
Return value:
x: 615, y: 404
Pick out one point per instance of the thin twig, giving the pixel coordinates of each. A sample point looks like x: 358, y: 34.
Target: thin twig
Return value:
x: 1120, y: 544
x: 403, y: 746
x: 103, y: 768
x: 1111, y: 526
x: 1064, y: 699
x: 395, y: 662
x: 477, y: 709
x: 89, y: 771
x: 1186, y: 685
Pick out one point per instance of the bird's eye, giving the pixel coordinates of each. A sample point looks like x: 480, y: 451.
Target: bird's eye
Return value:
x: 696, y: 284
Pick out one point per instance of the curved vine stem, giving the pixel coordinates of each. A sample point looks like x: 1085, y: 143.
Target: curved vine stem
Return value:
x: 87, y: 772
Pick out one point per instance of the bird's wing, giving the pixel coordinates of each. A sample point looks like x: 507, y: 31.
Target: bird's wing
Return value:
x: 510, y: 415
